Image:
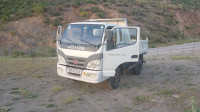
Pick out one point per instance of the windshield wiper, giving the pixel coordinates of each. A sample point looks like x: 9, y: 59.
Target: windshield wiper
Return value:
x: 70, y: 40
x: 87, y: 42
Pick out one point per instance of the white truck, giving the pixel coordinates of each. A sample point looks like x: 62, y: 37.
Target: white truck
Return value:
x: 99, y: 49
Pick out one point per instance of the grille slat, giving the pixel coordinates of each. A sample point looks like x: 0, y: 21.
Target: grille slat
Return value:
x: 80, y: 63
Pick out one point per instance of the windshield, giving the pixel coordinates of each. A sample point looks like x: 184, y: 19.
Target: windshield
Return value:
x: 83, y: 34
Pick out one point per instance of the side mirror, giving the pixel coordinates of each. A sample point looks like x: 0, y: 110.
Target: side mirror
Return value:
x: 108, y: 35
x: 59, y: 33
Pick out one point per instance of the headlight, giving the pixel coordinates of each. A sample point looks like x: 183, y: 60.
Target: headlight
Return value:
x: 93, y: 64
x: 61, y: 60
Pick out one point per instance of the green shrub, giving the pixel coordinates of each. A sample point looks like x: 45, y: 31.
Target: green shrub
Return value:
x: 101, y: 14
x: 91, y: 1
x: 5, y: 18
x: 32, y: 54
x: 60, y: 8
x: 17, y: 53
x: 53, y: 12
x: 51, y: 52
x: 105, y: 5
x: 76, y: 3
x: 5, y: 53
x: 95, y: 9
x: 1, y: 27
x: 120, y: 4
x: 22, y: 13
x: 191, y: 26
x: 83, y: 14
x: 12, y: 32
x: 46, y: 20
x: 169, y: 20
x: 67, y: 5
x: 187, y: 4
x: 138, y: 12
x: 125, y: 4
x: 57, y: 22
x: 193, y: 104
x: 173, y: 35
x: 38, y: 9
x: 54, y: 41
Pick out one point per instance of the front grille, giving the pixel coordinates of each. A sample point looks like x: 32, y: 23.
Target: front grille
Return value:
x: 80, y: 62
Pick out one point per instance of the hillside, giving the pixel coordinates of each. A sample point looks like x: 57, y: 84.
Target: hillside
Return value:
x: 29, y: 25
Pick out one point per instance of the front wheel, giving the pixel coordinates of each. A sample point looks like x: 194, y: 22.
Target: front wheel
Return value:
x: 113, y: 82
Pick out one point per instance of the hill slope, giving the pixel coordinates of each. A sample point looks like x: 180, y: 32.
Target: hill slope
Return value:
x: 31, y: 24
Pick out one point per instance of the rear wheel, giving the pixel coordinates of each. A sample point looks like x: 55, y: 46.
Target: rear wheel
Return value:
x: 137, y: 70
x: 113, y: 82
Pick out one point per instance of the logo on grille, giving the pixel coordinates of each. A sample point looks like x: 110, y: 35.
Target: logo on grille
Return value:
x: 75, y: 61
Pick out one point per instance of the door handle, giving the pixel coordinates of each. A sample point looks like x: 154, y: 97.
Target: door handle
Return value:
x: 134, y: 56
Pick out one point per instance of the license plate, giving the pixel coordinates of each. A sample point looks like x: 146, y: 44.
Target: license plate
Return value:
x: 75, y: 71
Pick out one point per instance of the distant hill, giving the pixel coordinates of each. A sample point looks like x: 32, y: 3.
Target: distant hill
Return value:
x: 29, y: 25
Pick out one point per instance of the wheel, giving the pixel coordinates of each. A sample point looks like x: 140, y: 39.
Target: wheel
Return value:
x: 137, y: 70
x: 113, y: 82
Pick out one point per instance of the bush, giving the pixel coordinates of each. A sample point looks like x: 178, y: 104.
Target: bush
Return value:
x: 123, y: 11
x: 138, y: 12
x: 169, y: 20
x: 67, y: 5
x: 5, y: 53
x: 101, y: 14
x: 105, y: 5
x: 83, y: 14
x: 32, y: 54
x: 1, y: 27
x: 12, y: 32
x: 38, y: 9
x: 173, y: 35
x: 57, y: 22
x: 51, y: 52
x: 95, y: 9
x: 17, y: 53
x: 5, y: 18
x: 53, y: 12
x: 191, y: 26
x: 46, y: 20
x: 91, y: 1
x: 187, y: 4
x: 76, y: 3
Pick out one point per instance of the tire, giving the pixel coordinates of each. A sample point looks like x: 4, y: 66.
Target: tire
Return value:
x: 137, y: 70
x: 113, y: 82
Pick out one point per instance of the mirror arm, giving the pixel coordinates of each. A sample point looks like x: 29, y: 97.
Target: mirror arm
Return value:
x: 58, y: 35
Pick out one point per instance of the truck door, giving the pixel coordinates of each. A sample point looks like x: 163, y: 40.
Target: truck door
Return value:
x: 123, y: 46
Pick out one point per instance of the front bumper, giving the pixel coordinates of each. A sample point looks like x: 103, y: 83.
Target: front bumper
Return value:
x: 85, y: 75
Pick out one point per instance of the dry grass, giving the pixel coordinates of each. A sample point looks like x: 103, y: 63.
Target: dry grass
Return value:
x: 140, y: 99
x: 159, y: 83
x: 69, y: 100
x: 25, y: 66
x: 57, y: 88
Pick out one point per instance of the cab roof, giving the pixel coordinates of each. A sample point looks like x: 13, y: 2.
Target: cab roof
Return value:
x: 97, y: 23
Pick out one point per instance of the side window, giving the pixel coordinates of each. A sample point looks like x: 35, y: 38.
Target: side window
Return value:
x: 122, y: 37
x: 133, y: 35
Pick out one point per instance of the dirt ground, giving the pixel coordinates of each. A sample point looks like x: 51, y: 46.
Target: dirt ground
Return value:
x: 32, y: 85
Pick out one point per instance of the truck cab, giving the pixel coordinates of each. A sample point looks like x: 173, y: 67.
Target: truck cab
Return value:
x: 99, y: 49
